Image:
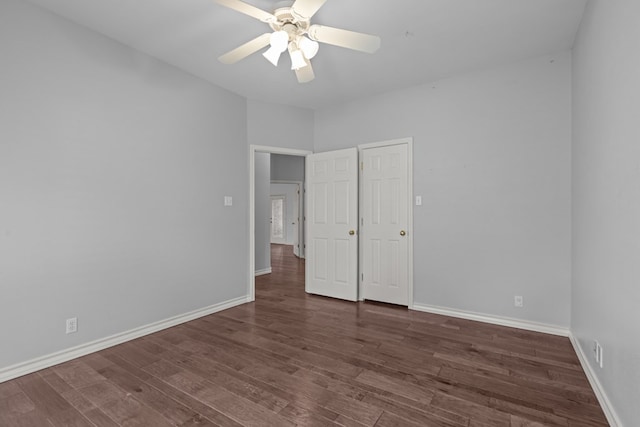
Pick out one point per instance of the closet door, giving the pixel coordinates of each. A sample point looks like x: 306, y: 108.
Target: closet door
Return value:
x: 384, y: 224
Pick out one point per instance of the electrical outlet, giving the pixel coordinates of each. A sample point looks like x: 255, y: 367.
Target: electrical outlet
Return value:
x: 72, y: 325
x: 598, y: 353
x: 518, y: 301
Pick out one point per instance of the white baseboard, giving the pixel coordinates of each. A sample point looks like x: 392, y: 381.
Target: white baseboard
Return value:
x: 604, y: 401
x: 52, y: 359
x: 263, y: 271
x: 495, y: 320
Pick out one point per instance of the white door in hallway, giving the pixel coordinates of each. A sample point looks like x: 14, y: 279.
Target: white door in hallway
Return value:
x: 278, y: 220
x: 332, y: 220
x: 384, y: 224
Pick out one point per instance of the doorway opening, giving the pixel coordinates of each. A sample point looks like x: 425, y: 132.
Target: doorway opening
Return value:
x: 291, y: 219
x: 259, y: 184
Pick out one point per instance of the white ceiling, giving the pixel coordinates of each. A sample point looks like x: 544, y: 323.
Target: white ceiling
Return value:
x: 422, y: 41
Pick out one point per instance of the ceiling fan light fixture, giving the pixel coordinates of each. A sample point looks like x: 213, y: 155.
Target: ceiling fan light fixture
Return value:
x: 279, y: 40
x: 309, y: 47
x: 272, y: 55
x: 297, y: 59
x: 292, y: 29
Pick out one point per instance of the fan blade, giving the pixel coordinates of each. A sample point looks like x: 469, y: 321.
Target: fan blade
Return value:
x: 306, y: 8
x: 344, y: 38
x: 246, y: 49
x: 305, y: 74
x: 248, y: 9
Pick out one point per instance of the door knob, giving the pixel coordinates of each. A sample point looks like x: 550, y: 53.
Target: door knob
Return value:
x: 402, y: 232
x: 352, y: 232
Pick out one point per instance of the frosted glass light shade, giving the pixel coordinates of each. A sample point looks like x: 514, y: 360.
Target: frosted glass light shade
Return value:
x: 297, y: 60
x: 273, y: 55
x: 279, y: 40
x: 309, y: 47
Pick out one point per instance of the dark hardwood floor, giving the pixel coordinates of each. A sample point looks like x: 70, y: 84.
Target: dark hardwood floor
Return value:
x: 296, y: 359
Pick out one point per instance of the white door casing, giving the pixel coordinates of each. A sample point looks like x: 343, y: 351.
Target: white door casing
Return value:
x: 296, y: 223
x: 332, y: 219
x: 385, y: 224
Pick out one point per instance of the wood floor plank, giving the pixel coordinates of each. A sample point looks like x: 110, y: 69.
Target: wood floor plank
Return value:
x: 479, y: 414
x: 9, y: 388
x: 77, y: 374
x: 76, y: 399
x: 99, y: 418
x: 215, y: 396
x: 30, y: 419
x: 234, y: 381
x: 173, y: 411
x: 183, y: 398
x: 44, y: 397
x: 342, y: 405
x: 390, y: 420
x: 13, y: 406
x: 291, y: 358
x: 423, y: 415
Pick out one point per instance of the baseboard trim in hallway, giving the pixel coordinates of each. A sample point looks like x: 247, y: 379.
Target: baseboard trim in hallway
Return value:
x: 263, y: 271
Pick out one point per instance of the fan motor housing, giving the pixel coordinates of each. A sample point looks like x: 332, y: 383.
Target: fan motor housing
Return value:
x: 286, y: 21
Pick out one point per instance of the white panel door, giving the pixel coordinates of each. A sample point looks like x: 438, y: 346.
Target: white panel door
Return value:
x: 332, y: 219
x: 278, y: 220
x: 384, y: 210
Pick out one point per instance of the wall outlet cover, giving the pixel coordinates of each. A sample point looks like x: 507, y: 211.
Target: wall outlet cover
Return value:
x: 72, y: 325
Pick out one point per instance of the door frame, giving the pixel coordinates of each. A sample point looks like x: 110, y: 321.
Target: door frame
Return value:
x: 410, y: 232
x: 253, y: 149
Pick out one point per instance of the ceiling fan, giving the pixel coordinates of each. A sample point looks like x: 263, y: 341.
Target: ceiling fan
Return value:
x: 293, y: 31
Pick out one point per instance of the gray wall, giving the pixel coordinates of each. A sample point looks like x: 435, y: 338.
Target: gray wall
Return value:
x: 287, y: 168
x: 262, y: 211
x: 606, y: 198
x: 277, y: 125
x: 492, y: 163
x: 113, y: 169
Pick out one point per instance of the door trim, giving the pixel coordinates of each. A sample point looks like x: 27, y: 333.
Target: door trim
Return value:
x: 253, y: 149
x: 409, y: 142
